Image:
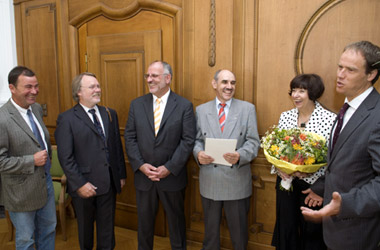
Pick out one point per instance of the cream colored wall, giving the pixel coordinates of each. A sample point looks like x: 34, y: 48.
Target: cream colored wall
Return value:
x: 8, y: 47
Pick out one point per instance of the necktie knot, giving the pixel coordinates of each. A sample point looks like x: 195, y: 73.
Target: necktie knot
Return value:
x: 92, y: 111
x: 344, y: 109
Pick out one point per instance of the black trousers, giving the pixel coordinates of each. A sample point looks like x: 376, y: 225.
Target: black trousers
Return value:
x: 102, y: 210
x: 236, y: 212
x: 147, y: 206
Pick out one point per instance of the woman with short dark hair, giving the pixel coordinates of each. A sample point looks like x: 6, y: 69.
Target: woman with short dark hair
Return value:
x: 291, y: 231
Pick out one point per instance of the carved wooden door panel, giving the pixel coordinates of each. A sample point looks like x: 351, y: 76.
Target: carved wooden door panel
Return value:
x: 119, y: 62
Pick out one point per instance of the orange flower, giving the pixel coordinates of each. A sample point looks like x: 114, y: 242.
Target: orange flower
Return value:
x: 284, y: 158
x: 303, y: 137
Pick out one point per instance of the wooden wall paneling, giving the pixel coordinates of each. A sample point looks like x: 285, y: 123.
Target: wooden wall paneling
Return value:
x: 119, y: 60
x: 39, y: 37
x: 119, y: 44
x: 280, y: 24
x: 330, y: 29
x: 18, y: 32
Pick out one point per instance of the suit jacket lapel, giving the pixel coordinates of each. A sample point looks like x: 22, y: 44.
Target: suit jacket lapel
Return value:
x: 170, y: 106
x: 46, y: 132
x: 231, y: 121
x: 213, y: 120
x: 16, y: 116
x: 360, y: 115
x: 81, y: 114
x: 148, y: 107
x: 104, y: 114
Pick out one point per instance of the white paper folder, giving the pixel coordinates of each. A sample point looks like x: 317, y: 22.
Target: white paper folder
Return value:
x: 217, y: 147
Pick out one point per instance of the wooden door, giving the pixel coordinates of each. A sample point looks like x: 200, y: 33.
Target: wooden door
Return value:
x: 119, y: 61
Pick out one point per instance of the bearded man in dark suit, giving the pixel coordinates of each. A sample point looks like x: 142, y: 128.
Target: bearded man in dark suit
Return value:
x: 91, y: 155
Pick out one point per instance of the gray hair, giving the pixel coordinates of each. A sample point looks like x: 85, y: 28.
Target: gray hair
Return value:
x: 167, y: 68
x: 77, y: 83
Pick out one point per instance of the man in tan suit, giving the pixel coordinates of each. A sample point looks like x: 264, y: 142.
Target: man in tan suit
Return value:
x: 26, y: 185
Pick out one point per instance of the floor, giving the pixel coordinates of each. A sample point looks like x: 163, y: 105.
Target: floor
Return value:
x: 125, y: 239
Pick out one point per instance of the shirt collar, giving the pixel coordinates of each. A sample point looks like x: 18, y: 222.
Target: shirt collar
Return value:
x: 21, y: 109
x: 87, y: 109
x: 163, y: 98
x: 228, y: 103
x: 355, y: 103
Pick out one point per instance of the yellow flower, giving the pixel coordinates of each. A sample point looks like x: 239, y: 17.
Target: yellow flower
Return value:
x: 274, y: 149
x: 309, y: 161
x: 297, y: 146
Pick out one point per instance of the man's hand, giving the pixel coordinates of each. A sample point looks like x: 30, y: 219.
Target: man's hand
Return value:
x: 162, y: 172
x: 204, y: 159
x: 122, y: 182
x: 87, y: 190
x: 40, y: 158
x: 232, y: 158
x: 312, y: 199
x: 330, y: 209
x: 149, y: 171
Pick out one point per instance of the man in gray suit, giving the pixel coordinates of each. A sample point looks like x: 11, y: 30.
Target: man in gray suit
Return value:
x: 26, y: 185
x: 221, y: 186
x: 351, y: 186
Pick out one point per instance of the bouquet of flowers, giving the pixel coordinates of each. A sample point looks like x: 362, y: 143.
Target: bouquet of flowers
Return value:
x: 292, y: 150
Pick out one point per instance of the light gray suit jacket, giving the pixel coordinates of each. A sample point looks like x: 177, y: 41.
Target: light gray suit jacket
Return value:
x: 354, y: 171
x: 219, y: 182
x: 23, y: 186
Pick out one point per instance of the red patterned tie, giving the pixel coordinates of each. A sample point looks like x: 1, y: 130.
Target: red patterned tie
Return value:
x: 222, y: 115
x: 340, y: 123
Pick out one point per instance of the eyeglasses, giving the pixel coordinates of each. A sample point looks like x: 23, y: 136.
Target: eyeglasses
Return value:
x: 92, y: 86
x: 146, y: 76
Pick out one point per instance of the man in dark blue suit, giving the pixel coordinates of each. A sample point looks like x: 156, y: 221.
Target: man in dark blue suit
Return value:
x: 351, y: 186
x: 91, y: 155
x: 159, y: 137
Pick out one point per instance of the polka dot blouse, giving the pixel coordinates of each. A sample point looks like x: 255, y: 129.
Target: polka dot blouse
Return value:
x: 320, y: 122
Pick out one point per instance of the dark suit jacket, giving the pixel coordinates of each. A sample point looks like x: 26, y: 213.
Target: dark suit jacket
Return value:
x: 23, y: 184
x: 171, y: 147
x: 82, y: 153
x: 354, y: 171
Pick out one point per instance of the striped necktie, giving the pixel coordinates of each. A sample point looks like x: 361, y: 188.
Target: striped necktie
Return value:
x: 222, y: 115
x: 157, y: 116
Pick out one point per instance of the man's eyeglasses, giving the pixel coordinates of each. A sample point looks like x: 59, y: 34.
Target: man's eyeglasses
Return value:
x: 92, y: 87
x: 146, y: 76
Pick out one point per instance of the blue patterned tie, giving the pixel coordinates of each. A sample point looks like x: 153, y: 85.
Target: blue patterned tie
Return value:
x: 97, y: 125
x: 100, y: 131
x: 38, y: 136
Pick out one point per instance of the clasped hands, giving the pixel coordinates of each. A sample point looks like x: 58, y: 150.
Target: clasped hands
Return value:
x: 205, y: 159
x: 154, y: 173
